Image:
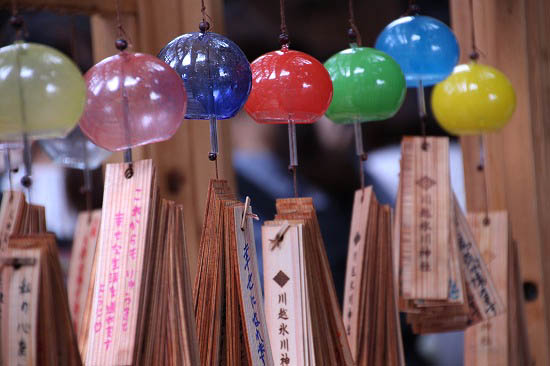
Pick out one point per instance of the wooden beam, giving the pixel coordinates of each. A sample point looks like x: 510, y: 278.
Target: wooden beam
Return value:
x: 518, y: 156
x: 104, y: 7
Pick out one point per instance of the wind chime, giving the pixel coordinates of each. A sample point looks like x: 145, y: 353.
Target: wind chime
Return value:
x: 425, y: 48
x: 227, y: 295
x: 439, y: 288
x: 291, y: 87
x: 477, y: 99
x: 42, y: 95
x: 216, y: 74
x: 368, y: 86
x: 135, y: 99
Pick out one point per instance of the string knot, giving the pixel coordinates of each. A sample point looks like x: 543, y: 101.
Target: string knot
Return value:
x: 16, y: 21
x: 284, y: 40
x: 352, y: 35
x: 413, y: 9
x: 204, y: 26
x: 121, y: 44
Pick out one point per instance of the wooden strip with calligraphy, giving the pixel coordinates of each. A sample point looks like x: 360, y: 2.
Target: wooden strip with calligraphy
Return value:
x: 486, y: 343
x: 80, y: 265
x: 476, y: 275
x: 251, y: 299
x: 354, y: 267
x: 284, y: 307
x: 329, y: 332
x: 181, y: 277
x: 124, y: 232
x: 11, y: 215
x: 20, y: 317
x: 424, y: 231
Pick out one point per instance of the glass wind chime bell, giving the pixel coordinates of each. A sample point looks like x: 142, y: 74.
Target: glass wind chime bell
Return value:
x: 42, y: 94
x: 216, y: 74
x: 424, y: 47
x: 288, y: 87
x: 475, y: 99
x: 368, y: 86
x: 134, y: 99
x: 76, y: 151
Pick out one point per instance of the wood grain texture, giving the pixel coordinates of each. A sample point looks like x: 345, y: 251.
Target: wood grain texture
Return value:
x: 325, y: 341
x: 121, y: 281
x: 486, y: 343
x: 80, y: 266
x: 513, y: 36
x: 425, y: 218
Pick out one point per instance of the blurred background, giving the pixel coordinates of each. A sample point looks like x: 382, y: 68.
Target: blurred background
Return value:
x: 328, y: 169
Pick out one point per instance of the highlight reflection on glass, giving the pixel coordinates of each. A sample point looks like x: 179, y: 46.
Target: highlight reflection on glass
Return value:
x: 425, y: 48
x: 368, y: 85
x: 42, y: 92
x: 475, y: 99
x: 133, y: 99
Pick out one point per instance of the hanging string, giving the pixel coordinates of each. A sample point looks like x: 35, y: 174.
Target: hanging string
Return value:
x: 7, y: 164
x: 353, y: 32
x: 412, y: 9
x: 122, y: 44
x: 482, y: 153
x: 204, y: 25
x: 354, y: 37
x: 284, y: 40
x: 421, y: 101
x: 482, y: 169
x: 123, y: 39
x: 293, y: 152
x: 16, y: 21
x: 18, y: 24
x: 475, y: 52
